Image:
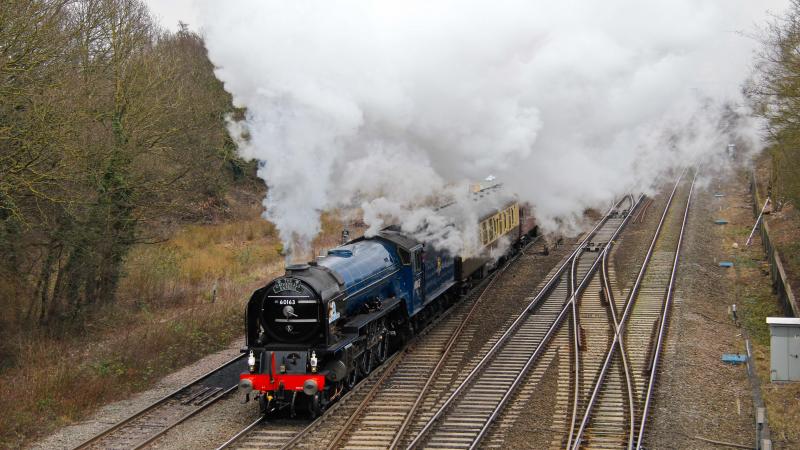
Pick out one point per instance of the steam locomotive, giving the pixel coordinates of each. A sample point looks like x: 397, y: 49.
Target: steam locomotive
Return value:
x: 313, y: 333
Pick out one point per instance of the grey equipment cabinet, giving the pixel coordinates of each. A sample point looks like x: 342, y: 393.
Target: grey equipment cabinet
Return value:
x: 784, y: 348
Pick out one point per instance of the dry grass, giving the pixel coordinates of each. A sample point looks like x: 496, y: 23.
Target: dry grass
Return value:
x: 60, y: 381
x: 180, y: 300
x: 198, y: 258
x: 784, y: 227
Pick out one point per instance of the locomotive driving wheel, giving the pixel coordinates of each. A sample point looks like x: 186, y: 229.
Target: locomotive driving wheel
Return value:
x: 365, y: 363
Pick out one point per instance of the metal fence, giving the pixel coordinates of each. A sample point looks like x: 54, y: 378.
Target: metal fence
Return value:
x: 776, y: 272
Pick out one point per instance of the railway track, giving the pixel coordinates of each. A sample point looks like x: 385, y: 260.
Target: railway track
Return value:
x: 427, y: 394
x: 265, y: 434
x: 618, y: 378
x: 143, y: 427
x: 372, y: 422
x: 458, y: 414
x: 405, y: 372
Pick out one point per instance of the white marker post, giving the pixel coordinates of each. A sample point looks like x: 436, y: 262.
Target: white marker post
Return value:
x: 750, y: 238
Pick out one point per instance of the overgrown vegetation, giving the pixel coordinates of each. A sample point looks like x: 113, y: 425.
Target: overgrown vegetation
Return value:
x: 775, y: 94
x: 130, y: 232
x: 107, y: 125
x: 774, y: 91
x: 756, y: 301
x: 173, y: 307
x: 62, y: 379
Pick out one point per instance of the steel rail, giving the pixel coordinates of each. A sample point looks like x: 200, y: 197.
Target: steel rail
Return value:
x: 576, y: 335
x: 182, y: 419
x: 663, y: 324
x: 294, y: 440
x: 367, y: 399
x: 241, y: 433
x: 630, y: 198
x: 626, y: 366
x: 576, y: 348
x: 638, y: 213
x: 644, y: 211
x: 392, y: 362
x: 569, y: 305
x: 620, y: 329
x: 533, y: 303
x: 108, y: 431
x: 623, y: 354
x: 409, y: 416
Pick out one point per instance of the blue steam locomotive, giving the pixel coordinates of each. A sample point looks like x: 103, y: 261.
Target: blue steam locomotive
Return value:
x: 313, y: 333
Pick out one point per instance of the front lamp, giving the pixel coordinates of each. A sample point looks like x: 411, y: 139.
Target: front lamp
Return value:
x: 251, y: 361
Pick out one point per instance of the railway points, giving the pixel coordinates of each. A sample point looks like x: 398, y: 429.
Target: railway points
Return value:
x: 146, y: 425
x: 461, y: 423
x: 617, y: 396
x: 377, y: 423
x: 445, y: 391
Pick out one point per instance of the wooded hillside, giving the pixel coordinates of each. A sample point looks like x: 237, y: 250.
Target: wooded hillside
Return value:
x: 108, y: 127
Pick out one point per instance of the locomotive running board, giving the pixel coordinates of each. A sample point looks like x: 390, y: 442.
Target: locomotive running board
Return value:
x: 356, y: 323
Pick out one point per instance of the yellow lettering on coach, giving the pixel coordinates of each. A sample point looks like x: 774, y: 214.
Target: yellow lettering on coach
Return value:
x: 499, y: 224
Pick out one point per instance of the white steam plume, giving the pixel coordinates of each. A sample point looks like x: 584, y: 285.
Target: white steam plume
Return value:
x: 570, y: 103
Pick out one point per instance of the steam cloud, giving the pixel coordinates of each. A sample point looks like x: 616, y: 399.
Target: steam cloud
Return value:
x: 391, y: 106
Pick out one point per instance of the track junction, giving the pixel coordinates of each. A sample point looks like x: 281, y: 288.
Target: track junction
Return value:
x: 450, y: 386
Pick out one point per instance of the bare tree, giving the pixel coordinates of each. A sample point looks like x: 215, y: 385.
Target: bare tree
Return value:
x: 107, y: 125
x: 775, y: 93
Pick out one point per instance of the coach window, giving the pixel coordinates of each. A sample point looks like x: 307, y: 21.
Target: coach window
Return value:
x: 405, y: 258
